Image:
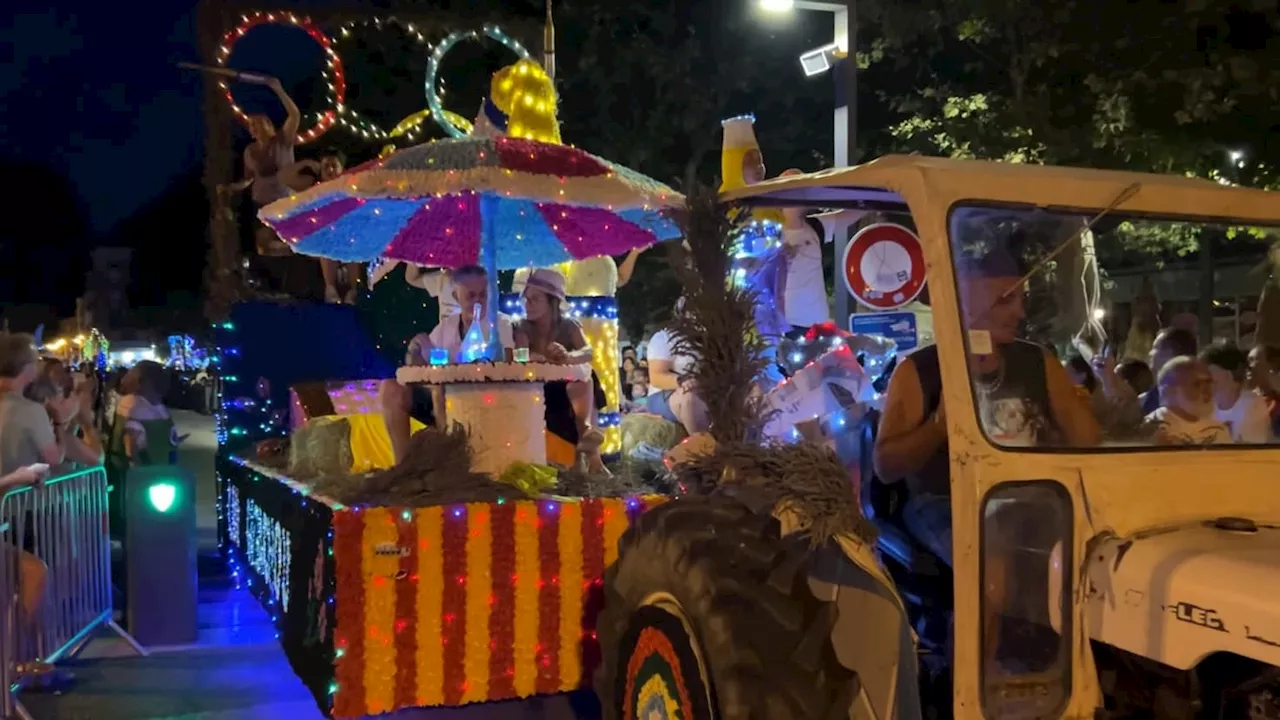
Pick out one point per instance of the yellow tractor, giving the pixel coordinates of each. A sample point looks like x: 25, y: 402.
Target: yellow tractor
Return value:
x: 1105, y: 560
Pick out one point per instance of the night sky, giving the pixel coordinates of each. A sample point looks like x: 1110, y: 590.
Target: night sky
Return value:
x: 104, y: 137
x: 97, y: 124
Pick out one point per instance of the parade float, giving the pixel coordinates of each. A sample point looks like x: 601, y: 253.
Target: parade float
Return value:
x: 470, y: 571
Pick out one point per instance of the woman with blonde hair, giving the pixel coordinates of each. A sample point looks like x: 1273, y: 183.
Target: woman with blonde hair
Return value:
x: 551, y: 337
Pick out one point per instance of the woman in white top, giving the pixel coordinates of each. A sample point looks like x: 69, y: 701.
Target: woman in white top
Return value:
x: 804, y: 301
x: 1242, y: 410
x: 673, y: 392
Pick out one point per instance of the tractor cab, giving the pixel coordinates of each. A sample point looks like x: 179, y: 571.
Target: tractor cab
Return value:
x: 1092, y: 406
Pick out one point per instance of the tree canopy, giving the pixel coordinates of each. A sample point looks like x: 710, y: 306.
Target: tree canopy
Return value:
x: 1189, y: 86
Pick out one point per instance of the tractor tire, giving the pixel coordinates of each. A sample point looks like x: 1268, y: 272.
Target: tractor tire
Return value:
x: 708, y: 615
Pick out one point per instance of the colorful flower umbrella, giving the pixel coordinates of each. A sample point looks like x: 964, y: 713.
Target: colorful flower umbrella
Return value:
x: 439, y: 203
x: 500, y: 202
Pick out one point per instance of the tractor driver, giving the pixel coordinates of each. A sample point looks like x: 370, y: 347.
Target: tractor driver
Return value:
x: 1024, y: 398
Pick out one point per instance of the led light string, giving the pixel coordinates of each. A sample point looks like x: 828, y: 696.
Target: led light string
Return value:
x: 333, y: 67
x: 434, y: 101
x: 349, y: 117
x: 337, y: 110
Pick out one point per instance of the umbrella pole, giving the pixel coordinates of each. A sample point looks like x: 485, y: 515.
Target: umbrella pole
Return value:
x: 489, y: 254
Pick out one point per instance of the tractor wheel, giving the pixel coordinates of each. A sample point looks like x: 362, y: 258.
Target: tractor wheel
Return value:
x: 708, y: 614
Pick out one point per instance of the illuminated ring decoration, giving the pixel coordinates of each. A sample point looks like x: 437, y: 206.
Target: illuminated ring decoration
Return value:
x: 333, y: 67
x: 347, y: 117
x: 433, y: 69
x: 412, y: 125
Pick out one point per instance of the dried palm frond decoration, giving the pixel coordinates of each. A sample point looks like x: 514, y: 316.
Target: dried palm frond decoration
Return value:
x: 437, y: 470
x: 806, y: 479
x: 717, y: 328
x: 717, y: 324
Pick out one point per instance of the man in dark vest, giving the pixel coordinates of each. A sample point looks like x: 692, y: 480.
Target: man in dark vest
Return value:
x: 1024, y: 396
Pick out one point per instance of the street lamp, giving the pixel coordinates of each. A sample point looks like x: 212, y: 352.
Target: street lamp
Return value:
x: 846, y: 112
x: 819, y: 60
x: 846, y: 131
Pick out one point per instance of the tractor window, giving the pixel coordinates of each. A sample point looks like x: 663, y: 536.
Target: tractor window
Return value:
x: 1026, y: 618
x: 1156, y: 343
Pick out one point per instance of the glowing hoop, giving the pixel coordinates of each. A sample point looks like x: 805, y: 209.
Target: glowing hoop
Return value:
x: 333, y: 66
x: 441, y: 115
x: 410, y: 126
x: 347, y: 117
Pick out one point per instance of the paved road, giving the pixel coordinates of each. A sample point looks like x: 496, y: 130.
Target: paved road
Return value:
x: 236, y: 670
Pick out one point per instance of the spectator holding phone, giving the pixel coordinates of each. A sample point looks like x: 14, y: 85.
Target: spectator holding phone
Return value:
x: 32, y: 437
x: 30, y: 431
x: 55, y: 387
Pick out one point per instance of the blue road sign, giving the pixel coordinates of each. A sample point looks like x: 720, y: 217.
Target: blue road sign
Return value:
x: 899, y: 327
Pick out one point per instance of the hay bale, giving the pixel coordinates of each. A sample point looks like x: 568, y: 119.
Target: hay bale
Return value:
x: 321, y: 447
x: 650, y: 429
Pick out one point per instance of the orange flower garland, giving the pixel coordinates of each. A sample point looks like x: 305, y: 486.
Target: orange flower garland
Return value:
x: 571, y: 594
x: 430, y: 604
x: 348, y: 539
x: 470, y: 603
x: 381, y: 562
x: 526, y: 598
x: 479, y: 588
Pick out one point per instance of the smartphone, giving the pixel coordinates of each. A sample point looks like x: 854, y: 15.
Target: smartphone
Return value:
x: 1085, y: 350
x: 41, y: 469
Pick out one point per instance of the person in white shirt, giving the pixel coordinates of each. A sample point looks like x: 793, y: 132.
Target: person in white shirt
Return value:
x: 1186, y: 414
x: 399, y: 403
x: 1241, y: 409
x: 436, y: 281
x: 673, y: 393
x: 804, y: 301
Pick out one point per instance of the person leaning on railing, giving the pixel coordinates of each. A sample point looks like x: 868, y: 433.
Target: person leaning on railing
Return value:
x: 32, y: 431
x: 31, y: 440
x: 31, y: 570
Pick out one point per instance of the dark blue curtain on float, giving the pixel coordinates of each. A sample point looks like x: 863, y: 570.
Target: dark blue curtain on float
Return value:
x: 284, y: 345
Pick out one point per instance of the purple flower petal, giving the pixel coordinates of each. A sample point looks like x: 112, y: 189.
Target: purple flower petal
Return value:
x: 587, y: 232
x: 445, y: 232
x: 298, y: 226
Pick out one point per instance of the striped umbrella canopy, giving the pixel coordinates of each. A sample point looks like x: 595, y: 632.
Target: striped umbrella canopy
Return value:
x: 500, y: 202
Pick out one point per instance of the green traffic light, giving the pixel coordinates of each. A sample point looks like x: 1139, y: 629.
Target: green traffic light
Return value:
x: 162, y: 496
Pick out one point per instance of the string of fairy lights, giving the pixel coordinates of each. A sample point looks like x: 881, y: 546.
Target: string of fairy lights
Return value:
x: 337, y: 110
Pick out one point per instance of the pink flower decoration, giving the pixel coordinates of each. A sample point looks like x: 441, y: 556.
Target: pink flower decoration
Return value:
x: 303, y: 224
x: 444, y: 232
x: 587, y: 232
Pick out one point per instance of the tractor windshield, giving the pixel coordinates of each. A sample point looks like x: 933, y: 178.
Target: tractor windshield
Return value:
x: 1126, y: 332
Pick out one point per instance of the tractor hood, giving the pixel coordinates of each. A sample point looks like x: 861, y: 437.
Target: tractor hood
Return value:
x: 1177, y: 595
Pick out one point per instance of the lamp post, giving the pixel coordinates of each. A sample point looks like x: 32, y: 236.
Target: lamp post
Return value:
x: 846, y: 110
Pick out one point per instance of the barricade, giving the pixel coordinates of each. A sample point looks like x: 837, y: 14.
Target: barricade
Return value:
x: 61, y: 525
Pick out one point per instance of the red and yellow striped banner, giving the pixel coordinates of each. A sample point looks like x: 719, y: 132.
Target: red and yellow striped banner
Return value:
x: 471, y: 603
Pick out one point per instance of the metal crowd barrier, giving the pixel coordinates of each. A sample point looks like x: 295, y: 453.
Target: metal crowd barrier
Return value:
x: 62, y: 526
